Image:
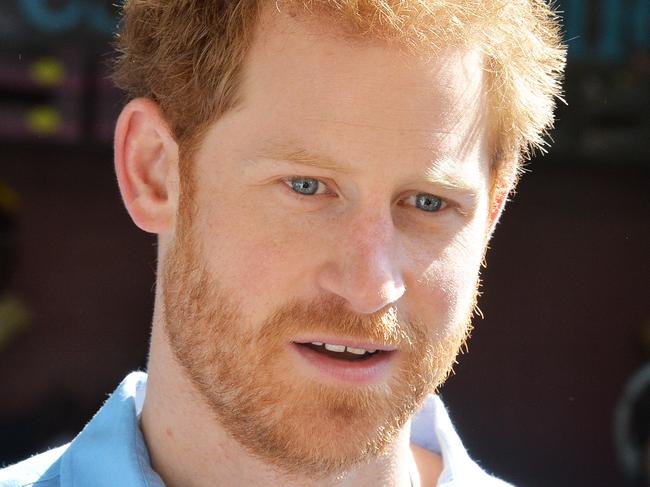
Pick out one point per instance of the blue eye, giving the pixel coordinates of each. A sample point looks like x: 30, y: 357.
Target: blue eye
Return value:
x: 428, y: 202
x: 306, y: 186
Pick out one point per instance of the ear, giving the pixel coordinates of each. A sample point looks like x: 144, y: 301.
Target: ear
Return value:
x: 498, y: 201
x: 503, y: 182
x: 497, y: 205
x: 146, y: 162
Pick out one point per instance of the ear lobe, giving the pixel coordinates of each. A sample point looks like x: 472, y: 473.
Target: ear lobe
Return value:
x: 146, y: 161
x: 497, y: 205
x: 504, y: 181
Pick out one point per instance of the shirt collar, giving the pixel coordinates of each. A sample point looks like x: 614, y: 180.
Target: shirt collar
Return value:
x: 111, y: 450
x: 432, y: 429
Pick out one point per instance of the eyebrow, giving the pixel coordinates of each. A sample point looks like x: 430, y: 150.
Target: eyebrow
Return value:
x: 304, y: 158
x: 442, y: 173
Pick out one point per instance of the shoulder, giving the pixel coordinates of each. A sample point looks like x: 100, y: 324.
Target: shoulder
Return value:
x: 39, y: 471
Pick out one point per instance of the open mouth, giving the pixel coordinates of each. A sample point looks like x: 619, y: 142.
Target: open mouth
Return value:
x: 341, y: 352
x: 355, y: 363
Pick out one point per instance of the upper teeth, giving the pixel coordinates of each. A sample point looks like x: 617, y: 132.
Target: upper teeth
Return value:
x: 343, y: 348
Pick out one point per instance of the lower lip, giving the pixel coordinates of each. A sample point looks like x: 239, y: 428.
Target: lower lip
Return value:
x: 362, y: 372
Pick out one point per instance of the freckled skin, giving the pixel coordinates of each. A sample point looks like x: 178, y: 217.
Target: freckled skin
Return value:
x: 321, y: 115
x: 255, y: 246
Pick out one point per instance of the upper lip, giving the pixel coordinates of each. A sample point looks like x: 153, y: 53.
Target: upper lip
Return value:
x: 348, y: 342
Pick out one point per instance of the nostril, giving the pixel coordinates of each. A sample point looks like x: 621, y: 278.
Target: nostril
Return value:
x: 367, y: 283
x: 392, y: 291
x: 368, y: 299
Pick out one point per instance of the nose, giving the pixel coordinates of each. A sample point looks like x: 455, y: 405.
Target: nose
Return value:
x: 365, y: 264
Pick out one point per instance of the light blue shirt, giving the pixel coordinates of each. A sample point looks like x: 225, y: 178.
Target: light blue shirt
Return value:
x: 111, y: 452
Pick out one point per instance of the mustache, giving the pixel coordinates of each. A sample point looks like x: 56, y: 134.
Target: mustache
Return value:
x: 332, y: 317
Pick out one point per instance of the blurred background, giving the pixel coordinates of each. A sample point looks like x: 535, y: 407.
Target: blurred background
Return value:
x: 544, y: 398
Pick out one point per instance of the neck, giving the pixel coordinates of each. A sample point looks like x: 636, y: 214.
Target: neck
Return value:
x: 189, y: 447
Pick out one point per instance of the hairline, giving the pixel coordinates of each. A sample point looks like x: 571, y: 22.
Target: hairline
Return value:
x: 190, y: 143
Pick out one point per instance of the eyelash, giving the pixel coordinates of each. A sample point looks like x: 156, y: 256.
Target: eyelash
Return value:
x: 288, y: 182
x: 443, y: 202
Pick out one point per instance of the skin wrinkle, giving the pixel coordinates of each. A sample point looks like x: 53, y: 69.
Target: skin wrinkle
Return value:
x: 521, y: 40
x: 249, y: 265
x: 441, y: 171
x: 407, y: 94
x: 190, y: 297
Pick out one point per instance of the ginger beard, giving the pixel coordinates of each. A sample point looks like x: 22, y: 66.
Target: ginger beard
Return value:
x: 242, y: 370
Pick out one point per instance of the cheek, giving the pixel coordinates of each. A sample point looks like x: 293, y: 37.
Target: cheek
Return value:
x: 447, y: 286
x: 255, y: 254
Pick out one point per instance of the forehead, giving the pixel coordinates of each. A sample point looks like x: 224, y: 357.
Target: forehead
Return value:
x: 307, y: 78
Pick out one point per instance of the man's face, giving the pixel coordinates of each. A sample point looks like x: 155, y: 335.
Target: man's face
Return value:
x: 344, y: 202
